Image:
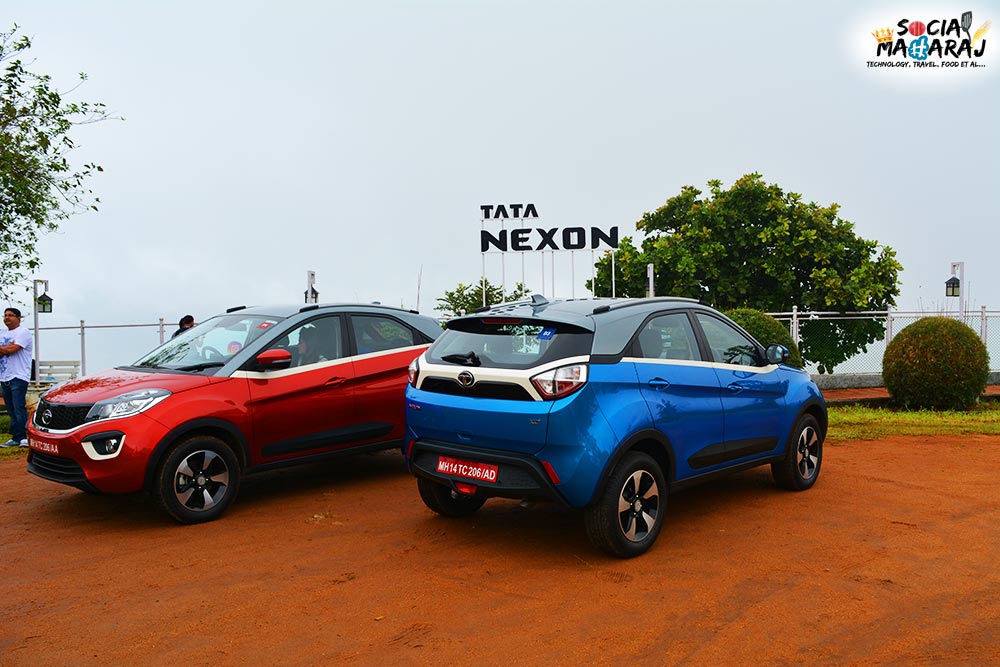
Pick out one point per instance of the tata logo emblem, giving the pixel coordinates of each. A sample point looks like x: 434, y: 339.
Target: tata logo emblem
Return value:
x: 466, y: 379
x: 46, y: 417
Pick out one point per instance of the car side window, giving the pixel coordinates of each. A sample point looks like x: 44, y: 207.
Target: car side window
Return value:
x: 373, y: 333
x: 728, y: 345
x: 313, y: 342
x: 668, y: 337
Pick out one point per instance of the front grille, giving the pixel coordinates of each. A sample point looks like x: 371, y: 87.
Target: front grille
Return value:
x: 502, y: 390
x: 57, y: 469
x: 60, y: 416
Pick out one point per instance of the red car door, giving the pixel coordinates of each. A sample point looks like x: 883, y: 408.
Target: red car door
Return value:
x: 385, y: 347
x: 308, y: 408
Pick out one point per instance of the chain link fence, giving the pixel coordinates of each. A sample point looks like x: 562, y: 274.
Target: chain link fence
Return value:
x: 833, y: 343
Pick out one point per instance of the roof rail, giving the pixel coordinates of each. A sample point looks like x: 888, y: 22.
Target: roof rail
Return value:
x: 603, y: 308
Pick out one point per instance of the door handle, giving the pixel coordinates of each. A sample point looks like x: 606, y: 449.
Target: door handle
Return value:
x: 735, y: 388
x: 658, y: 382
x: 336, y: 379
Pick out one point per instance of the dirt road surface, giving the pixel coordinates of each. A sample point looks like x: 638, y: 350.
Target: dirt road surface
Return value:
x: 893, y: 558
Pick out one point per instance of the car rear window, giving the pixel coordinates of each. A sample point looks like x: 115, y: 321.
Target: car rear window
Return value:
x: 508, y: 343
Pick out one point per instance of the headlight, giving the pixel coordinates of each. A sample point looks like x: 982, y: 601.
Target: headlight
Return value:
x: 126, y: 405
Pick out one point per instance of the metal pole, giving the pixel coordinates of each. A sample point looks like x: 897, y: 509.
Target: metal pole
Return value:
x: 962, y: 287
x: 572, y: 274
x: 34, y: 287
x: 593, y: 274
x: 553, y: 252
x: 83, y: 349
x: 503, y: 270
x: 613, y: 296
x: 649, y: 275
x: 543, y: 271
x: 163, y: 334
x: 794, y: 324
x: 982, y: 324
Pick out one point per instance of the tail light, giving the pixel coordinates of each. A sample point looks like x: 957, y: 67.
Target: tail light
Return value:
x: 561, y: 381
x: 411, y: 372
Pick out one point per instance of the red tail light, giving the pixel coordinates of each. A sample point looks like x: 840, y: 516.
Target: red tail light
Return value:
x: 412, y: 372
x: 560, y: 382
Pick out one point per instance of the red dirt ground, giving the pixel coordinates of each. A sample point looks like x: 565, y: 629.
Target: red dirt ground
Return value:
x: 893, y: 558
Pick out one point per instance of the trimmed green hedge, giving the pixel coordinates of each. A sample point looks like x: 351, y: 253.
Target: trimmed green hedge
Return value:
x: 767, y: 330
x: 936, y: 363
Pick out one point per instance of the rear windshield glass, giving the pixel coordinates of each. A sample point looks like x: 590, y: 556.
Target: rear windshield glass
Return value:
x: 508, y: 343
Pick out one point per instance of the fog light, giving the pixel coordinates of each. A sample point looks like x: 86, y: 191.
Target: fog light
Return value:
x: 104, y: 445
x: 110, y: 445
x: 467, y: 489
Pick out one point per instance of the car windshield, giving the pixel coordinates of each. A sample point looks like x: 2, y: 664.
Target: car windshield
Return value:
x: 208, y: 345
x: 508, y: 343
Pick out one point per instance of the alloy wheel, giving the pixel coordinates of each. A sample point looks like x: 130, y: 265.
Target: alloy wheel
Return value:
x: 807, y: 453
x: 201, y: 480
x: 638, y: 505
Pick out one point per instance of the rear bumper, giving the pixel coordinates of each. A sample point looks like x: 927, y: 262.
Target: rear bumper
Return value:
x: 519, y: 475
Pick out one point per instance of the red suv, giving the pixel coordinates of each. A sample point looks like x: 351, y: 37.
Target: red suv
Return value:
x: 248, y: 390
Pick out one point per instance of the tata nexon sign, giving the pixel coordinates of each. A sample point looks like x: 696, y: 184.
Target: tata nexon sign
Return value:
x: 533, y: 238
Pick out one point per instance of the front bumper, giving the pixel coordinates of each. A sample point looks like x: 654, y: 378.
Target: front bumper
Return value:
x: 69, y: 457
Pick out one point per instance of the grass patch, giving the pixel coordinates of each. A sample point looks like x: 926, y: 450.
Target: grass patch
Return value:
x: 857, y: 422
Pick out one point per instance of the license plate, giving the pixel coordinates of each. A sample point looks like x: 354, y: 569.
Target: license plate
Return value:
x: 42, y: 446
x: 468, y: 469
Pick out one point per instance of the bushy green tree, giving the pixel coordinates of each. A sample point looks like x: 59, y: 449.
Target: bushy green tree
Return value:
x: 39, y: 187
x: 756, y: 246
x: 467, y: 298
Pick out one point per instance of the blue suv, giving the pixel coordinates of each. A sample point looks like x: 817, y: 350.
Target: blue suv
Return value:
x: 605, y: 405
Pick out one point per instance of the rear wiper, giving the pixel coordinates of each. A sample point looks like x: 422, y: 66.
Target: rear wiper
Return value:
x: 202, y: 366
x: 470, y: 359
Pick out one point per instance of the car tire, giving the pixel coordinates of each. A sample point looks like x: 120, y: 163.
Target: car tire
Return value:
x: 799, y: 468
x: 447, y: 502
x: 198, y: 479
x: 626, y: 518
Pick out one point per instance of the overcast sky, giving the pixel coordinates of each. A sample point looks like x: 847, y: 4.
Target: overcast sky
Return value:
x: 359, y: 139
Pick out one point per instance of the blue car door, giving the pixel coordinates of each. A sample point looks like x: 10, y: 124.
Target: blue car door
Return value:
x: 753, y: 392
x: 682, y: 392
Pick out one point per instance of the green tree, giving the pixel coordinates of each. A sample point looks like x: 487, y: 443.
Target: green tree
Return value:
x: 39, y: 187
x: 756, y: 246
x: 467, y: 298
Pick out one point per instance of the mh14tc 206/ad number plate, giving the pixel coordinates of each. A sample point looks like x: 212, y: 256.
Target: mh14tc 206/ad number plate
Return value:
x: 481, y: 471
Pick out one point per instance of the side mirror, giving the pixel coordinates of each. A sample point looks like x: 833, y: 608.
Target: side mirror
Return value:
x: 777, y: 354
x: 273, y: 359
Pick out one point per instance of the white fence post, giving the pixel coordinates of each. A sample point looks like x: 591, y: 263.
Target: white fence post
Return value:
x: 888, y: 325
x: 793, y: 324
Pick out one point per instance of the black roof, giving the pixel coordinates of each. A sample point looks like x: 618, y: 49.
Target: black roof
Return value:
x: 613, y: 321
x: 583, y: 313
